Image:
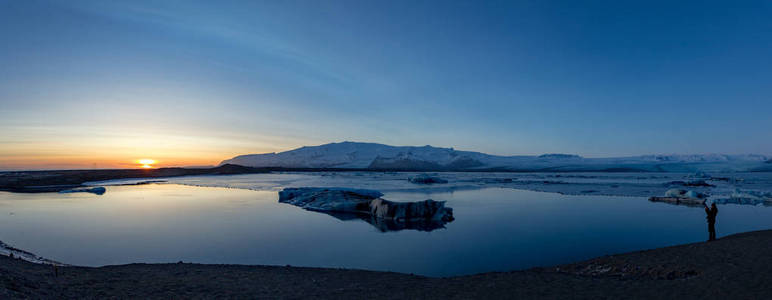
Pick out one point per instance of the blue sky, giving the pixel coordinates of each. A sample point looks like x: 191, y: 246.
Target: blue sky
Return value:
x: 200, y: 81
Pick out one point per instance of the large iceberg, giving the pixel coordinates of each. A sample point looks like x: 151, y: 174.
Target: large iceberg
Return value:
x: 368, y: 205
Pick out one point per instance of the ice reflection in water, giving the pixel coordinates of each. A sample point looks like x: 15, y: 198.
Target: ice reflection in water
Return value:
x: 386, y: 225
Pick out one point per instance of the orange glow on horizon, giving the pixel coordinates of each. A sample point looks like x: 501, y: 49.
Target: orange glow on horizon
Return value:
x: 55, y: 154
x: 147, y: 163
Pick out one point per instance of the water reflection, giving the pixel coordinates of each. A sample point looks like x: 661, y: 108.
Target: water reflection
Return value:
x: 386, y: 225
x: 497, y: 229
x: 680, y: 201
x: 710, y: 212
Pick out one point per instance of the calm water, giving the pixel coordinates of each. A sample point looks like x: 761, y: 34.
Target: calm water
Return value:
x: 495, y: 229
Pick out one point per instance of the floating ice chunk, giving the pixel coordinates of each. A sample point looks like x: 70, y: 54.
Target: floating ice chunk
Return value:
x: 693, y: 194
x: 695, y: 183
x: 366, y: 202
x: 426, y: 179
x: 681, y: 197
x: 94, y: 190
x: 496, y: 180
x: 675, y: 193
x: 750, y: 194
x: 699, y: 175
x: 741, y: 201
x: 329, y: 199
x: 679, y: 193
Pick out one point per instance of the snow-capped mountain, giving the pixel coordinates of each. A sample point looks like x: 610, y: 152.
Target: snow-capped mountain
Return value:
x: 378, y: 156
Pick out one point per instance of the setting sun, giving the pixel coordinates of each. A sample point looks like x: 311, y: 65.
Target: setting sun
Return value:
x: 146, y: 163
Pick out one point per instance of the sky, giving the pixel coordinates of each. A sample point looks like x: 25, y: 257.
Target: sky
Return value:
x: 101, y: 84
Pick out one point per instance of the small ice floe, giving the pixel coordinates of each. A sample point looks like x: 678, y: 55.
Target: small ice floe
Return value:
x: 367, y: 205
x: 426, y: 179
x: 99, y: 190
x: 693, y: 183
x: 9, y: 251
x: 496, y: 180
x: 747, y: 197
x: 699, y: 175
x: 681, y: 197
x: 144, y: 182
x: 750, y: 194
x: 678, y: 193
x: 742, y: 201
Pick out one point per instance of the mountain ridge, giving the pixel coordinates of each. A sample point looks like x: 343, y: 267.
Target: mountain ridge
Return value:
x: 374, y: 156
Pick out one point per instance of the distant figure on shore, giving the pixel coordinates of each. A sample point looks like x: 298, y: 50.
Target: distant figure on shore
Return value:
x: 711, y: 216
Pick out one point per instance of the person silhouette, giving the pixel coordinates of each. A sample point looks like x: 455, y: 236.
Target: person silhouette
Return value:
x: 711, y: 216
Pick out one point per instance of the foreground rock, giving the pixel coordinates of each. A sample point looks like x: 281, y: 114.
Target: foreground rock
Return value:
x: 384, y: 214
x: 7, y: 250
x: 733, y: 267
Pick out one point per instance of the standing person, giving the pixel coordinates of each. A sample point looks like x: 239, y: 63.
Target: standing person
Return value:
x: 711, y: 216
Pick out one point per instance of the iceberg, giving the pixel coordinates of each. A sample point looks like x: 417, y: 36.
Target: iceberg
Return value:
x: 681, y: 197
x: 678, y: 193
x: 345, y: 203
x: 742, y: 201
x: 693, y: 183
x: 426, y: 179
x: 747, y: 197
x: 94, y: 190
x: 754, y: 195
x: 699, y: 175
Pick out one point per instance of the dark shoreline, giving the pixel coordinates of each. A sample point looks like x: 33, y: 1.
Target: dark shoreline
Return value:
x: 55, y: 181
x: 735, y: 266
x: 43, y: 181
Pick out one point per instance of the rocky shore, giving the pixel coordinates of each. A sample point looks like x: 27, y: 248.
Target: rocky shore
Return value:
x: 736, y: 266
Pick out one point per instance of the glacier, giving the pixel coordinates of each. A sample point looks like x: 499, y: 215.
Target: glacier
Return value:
x: 373, y: 156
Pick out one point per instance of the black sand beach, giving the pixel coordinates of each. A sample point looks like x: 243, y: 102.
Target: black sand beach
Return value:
x: 58, y: 180
x: 736, y: 266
